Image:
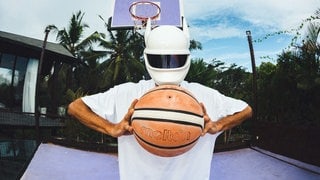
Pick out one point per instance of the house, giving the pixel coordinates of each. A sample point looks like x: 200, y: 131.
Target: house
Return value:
x: 19, y: 60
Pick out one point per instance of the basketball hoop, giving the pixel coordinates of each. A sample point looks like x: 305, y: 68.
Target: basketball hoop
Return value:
x: 133, y: 14
x: 141, y: 11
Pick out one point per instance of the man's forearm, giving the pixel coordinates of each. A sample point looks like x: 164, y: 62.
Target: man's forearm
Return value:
x: 231, y: 121
x: 85, y: 115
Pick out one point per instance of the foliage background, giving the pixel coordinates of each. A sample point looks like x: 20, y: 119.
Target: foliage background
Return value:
x: 288, y: 98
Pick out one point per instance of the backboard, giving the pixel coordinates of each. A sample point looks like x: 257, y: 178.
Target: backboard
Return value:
x: 169, y: 13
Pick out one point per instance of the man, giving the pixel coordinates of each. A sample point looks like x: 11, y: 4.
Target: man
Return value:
x: 108, y: 112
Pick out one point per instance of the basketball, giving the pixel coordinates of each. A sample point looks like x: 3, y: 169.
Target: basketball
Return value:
x: 167, y: 121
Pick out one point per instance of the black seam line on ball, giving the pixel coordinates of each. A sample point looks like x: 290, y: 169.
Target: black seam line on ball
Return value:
x: 165, y: 147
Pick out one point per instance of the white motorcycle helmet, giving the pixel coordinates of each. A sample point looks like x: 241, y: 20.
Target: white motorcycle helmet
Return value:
x: 167, y: 55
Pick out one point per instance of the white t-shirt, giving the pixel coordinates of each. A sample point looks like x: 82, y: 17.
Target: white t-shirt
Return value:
x: 135, y: 163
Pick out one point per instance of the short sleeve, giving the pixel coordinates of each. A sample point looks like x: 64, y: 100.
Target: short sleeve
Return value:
x: 103, y: 104
x: 229, y: 105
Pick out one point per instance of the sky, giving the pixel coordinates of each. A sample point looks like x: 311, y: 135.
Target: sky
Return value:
x: 220, y: 26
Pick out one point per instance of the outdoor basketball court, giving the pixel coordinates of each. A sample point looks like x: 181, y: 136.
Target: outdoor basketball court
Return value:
x: 57, y: 162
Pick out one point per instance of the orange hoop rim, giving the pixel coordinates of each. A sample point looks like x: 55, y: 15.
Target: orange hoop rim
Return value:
x: 142, y: 18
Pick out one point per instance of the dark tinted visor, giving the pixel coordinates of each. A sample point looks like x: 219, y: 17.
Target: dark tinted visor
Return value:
x: 167, y: 61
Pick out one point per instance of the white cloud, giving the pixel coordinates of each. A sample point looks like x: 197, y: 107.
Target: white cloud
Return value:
x: 283, y: 14
x: 217, y: 32
x: 272, y: 15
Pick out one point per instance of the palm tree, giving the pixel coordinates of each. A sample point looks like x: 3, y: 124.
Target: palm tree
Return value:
x: 71, y: 38
x: 203, y: 72
x: 123, y: 53
x: 194, y: 45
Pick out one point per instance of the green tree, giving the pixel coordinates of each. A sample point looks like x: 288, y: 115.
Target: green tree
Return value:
x: 72, y: 39
x: 65, y: 76
x: 266, y: 91
x: 123, y: 62
x: 194, y: 45
x: 232, y: 81
x: 203, y: 72
x: 289, y: 92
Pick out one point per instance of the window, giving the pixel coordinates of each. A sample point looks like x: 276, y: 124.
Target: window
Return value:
x: 18, y: 80
x: 12, y: 74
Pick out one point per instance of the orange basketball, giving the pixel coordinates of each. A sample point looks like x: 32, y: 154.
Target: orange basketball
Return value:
x: 167, y: 121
